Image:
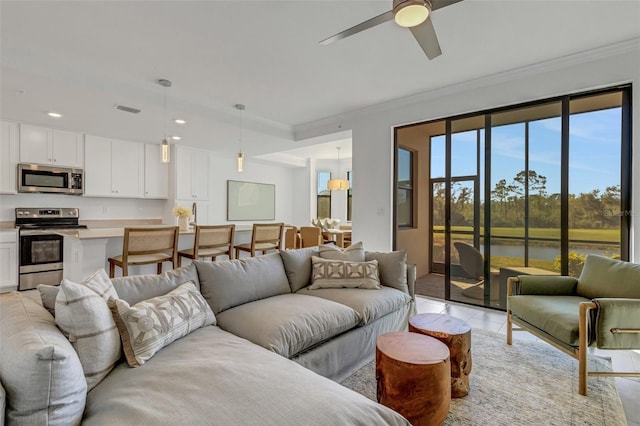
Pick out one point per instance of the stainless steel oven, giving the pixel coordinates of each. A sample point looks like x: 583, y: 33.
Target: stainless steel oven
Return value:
x: 41, y: 245
x: 41, y: 256
x: 39, y: 178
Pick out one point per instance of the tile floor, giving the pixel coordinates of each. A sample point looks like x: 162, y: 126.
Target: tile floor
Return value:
x: 489, y: 319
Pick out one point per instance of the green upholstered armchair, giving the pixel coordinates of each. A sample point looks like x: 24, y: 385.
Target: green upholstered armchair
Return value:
x: 599, y: 309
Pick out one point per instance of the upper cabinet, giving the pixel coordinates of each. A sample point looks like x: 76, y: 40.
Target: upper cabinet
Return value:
x: 192, y: 173
x: 9, y: 155
x: 113, y: 168
x: 42, y: 145
x: 156, y: 173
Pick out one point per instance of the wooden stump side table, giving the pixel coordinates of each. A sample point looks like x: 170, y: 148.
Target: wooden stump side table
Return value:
x: 413, y: 375
x: 456, y: 334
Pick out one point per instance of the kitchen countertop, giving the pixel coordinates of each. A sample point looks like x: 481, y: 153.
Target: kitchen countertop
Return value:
x: 118, y: 232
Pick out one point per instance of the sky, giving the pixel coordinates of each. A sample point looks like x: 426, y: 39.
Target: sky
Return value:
x: 594, y: 151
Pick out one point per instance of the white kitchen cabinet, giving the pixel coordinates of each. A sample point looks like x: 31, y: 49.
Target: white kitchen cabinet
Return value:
x: 192, y: 174
x: 8, y: 260
x: 9, y: 156
x: 42, y: 145
x: 156, y: 173
x: 113, y: 168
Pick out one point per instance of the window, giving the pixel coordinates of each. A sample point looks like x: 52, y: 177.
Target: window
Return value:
x: 323, y: 195
x: 405, y: 188
x: 349, y: 178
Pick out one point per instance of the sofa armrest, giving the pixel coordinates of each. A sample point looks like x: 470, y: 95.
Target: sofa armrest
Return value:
x: 617, y: 324
x: 411, y: 280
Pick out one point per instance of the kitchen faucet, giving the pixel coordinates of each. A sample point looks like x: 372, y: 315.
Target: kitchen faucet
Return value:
x: 194, y: 211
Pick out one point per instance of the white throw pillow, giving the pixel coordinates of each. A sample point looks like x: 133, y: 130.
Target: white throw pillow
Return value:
x: 84, y: 317
x: 353, y: 253
x: 327, y: 273
x: 152, y: 324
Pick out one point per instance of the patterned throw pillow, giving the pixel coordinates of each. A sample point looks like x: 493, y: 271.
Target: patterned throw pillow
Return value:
x: 353, y: 253
x: 84, y: 317
x: 328, y: 273
x: 152, y: 324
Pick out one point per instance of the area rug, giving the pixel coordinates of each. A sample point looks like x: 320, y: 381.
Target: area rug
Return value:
x: 528, y: 383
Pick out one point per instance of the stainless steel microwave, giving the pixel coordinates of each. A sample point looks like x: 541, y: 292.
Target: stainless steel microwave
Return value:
x: 39, y: 178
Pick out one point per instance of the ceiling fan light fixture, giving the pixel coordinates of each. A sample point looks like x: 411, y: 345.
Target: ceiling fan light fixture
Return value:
x: 410, y: 13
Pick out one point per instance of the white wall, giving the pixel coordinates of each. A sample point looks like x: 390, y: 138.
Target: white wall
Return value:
x: 373, y: 128
x: 91, y: 208
x: 224, y: 168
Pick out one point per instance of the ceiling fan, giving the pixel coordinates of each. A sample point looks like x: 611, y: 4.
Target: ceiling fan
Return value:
x: 412, y: 14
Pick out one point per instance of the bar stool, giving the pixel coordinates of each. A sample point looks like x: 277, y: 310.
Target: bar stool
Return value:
x: 265, y: 236
x: 210, y: 241
x: 145, y: 246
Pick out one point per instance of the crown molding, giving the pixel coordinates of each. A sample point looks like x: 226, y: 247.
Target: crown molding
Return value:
x: 630, y: 46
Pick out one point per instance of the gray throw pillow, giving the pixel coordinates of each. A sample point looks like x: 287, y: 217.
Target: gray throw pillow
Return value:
x: 297, y: 265
x: 392, y: 267
x: 48, y: 294
x: 353, y: 253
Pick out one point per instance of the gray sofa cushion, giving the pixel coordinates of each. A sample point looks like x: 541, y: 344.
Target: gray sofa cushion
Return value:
x: 371, y: 305
x: 136, y: 288
x: 231, y: 283
x: 297, y: 265
x: 39, y: 369
x: 289, y: 323
x: 213, y: 377
x: 392, y: 267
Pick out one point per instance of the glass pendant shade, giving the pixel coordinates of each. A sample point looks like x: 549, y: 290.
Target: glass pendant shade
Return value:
x: 240, y: 162
x: 165, y: 151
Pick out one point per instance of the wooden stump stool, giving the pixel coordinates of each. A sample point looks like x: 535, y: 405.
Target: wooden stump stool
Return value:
x: 456, y: 334
x: 414, y: 377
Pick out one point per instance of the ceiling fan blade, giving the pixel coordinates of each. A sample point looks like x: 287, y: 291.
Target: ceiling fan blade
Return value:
x: 387, y: 16
x: 426, y: 37
x: 439, y: 4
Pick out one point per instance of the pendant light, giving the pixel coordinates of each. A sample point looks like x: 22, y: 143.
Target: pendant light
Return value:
x: 338, y: 184
x: 165, y: 142
x: 240, y: 158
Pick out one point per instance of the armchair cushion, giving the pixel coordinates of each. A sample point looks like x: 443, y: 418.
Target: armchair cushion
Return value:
x: 617, y: 313
x: 605, y: 277
x: 550, y: 285
x: 557, y: 316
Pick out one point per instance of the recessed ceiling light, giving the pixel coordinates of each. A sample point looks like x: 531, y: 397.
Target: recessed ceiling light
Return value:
x: 180, y: 121
x: 54, y: 114
x: 176, y: 138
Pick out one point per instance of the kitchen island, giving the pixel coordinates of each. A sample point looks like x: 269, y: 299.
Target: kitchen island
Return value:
x: 87, y: 250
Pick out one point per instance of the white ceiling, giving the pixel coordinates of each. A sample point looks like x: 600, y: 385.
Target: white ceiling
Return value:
x: 82, y: 57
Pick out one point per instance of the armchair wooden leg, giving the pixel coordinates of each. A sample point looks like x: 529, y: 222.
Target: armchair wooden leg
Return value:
x: 583, y: 336
x: 112, y: 269
x: 159, y: 269
x: 509, y: 328
x: 125, y: 270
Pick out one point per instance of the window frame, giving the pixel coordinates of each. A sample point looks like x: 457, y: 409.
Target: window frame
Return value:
x: 409, y: 189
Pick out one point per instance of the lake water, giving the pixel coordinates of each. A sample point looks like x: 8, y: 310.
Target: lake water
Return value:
x: 546, y: 253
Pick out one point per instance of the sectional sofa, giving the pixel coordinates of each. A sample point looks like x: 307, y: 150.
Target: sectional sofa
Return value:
x: 250, y: 341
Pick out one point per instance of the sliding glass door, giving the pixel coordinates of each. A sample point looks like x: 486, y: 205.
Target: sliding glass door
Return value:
x: 530, y: 189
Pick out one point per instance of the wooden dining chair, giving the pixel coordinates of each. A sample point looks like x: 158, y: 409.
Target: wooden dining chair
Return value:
x: 291, y: 238
x: 210, y: 241
x: 347, y: 237
x: 311, y: 236
x: 265, y: 236
x: 146, y: 246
